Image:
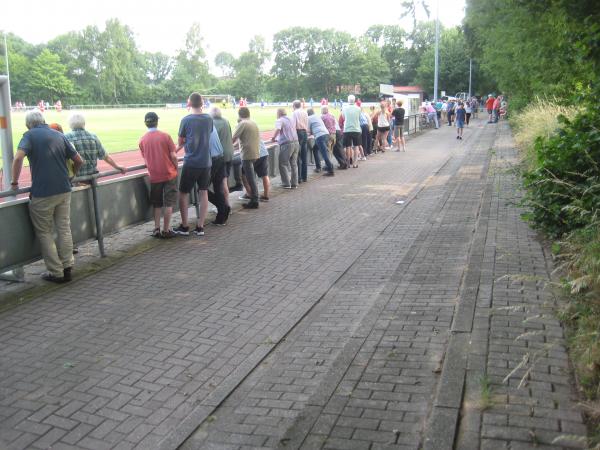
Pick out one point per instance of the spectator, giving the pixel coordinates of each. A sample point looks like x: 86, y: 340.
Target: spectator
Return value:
x: 329, y: 122
x: 489, y: 105
x: 460, y: 120
x: 445, y: 111
x: 373, y: 116
x: 217, y: 175
x: 224, y: 131
x: 318, y: 129
x: 365, y: 132
x: 50, y: 205
x: 261, y: 169
x: 287, y: 138
x: 431, y: 115
x: 89, y: 147
x: 338, y: 148
x: 450, y: 112
x: 248, y: 135
x: 398, y: 114
x: 383, y: 126
x: 496, y: 109
x: 194, y: 137
x: 158, y: 151
x: 468, y: 111
x: 352, y: 131
x: 300, y: 119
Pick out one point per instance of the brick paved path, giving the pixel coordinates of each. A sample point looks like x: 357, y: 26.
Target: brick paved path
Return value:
x: 323, y: 320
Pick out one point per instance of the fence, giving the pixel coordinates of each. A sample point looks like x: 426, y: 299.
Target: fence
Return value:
x: 101, y: 208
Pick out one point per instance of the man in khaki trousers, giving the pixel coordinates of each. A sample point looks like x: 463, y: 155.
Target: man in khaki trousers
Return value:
x: 47, y: 151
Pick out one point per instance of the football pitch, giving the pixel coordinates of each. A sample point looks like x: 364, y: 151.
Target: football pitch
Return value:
x: 119, y: 130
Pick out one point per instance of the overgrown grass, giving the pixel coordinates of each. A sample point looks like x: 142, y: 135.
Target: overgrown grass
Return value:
x: 538, y: 119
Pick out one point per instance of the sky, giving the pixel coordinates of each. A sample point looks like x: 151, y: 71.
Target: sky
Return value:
x: 227, y: 25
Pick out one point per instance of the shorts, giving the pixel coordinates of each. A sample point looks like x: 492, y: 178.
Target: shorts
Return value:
x: 352, y: 139
x: 383, y: 129
x: 490, y: 111
x: 261, y: 166
x: 398, y: 132
x: 164, y: 193
x: 460, y: 124
x: 191, y: 176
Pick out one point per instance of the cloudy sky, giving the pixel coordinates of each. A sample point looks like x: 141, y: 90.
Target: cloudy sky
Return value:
x: 227, y: 25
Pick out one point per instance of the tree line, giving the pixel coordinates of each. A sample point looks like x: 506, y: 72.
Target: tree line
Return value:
x: 106, y: 66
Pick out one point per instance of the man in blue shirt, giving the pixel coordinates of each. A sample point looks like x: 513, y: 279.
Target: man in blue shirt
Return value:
x: 194, y: 136
x: 47, y: 151
x: 217, y: 175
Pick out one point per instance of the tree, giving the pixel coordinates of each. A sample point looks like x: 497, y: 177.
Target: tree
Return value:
x: 121, y: 69
x: 47, y: 77
x: 158, y: 67
x: 391, y: 40
x: 190, y: 72
x: 454, y: 63
x: 224, y: 61
x: 248, y: 70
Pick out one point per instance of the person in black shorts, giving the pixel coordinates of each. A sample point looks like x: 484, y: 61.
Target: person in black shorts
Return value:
x: 398, y: 114
x: 261, y: 169
x: 194, y: 136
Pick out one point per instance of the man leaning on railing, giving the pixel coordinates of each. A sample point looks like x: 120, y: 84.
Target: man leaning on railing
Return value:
x: 47, y: 151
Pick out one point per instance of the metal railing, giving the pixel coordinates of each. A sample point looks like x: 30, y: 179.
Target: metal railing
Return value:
x: 102, y: 207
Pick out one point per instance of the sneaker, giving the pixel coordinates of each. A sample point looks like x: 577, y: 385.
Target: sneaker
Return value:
x: 156, y: 233
x: 250, y: 205
x: 264, y: 198
x: 244, y: 197
x: 181, y: 230
x: 47, y: 276
x: 293, y: 186
x: 237, y: 187
x: 286, y: 187
x: 199, y: 231
x: 328, y: 174
x: 169, y: 234
x: 317, y: 170
x: 218, y: 223
x: 67, y: 274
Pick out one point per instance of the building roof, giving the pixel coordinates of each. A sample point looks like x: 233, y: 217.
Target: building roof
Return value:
x: 408, y: 89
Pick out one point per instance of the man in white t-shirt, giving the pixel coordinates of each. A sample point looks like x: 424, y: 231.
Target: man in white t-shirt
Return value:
x: 352, y: 130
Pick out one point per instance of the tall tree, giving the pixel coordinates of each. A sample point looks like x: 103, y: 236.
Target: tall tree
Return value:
x: 47, y: 77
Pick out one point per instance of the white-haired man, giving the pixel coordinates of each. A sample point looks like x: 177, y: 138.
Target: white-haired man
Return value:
x: 352, y: 130
x: 88, y: 146
x: 47, y: 151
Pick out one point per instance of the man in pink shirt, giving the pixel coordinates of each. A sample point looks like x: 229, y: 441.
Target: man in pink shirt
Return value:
x: 329, y: 121
x: 158, y: 150
x: 300, y: 118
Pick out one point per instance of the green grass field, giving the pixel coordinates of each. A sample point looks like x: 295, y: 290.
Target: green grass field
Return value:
x: 119, y: 130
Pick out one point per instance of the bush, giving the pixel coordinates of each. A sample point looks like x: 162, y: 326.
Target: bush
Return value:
x: 563, y: 182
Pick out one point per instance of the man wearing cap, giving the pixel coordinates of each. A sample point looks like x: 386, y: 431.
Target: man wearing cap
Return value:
x: 158, y: 151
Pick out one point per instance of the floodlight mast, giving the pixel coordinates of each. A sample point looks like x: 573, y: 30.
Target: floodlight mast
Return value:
x: 437, y: 50
x: 6, y: 142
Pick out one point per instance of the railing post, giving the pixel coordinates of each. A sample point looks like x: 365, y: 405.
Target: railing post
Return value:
x: 97, y: 218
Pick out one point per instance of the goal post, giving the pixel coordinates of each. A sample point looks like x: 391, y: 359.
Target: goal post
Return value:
x: 6, y: 141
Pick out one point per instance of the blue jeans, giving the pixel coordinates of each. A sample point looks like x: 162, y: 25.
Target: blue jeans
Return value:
x: 321, y: 143
x: 303, y: 155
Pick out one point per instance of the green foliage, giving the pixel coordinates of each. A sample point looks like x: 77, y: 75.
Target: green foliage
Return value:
x: 454, y: 63
x: 47, y: 77
x: 563, y: 189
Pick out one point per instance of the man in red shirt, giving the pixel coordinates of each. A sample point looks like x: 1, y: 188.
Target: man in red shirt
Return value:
x: 489, y: 105
x: 158, y: 150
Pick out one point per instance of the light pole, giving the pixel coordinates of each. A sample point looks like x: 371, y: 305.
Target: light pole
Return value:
x: 470, y: 72
x: 437, y: 51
